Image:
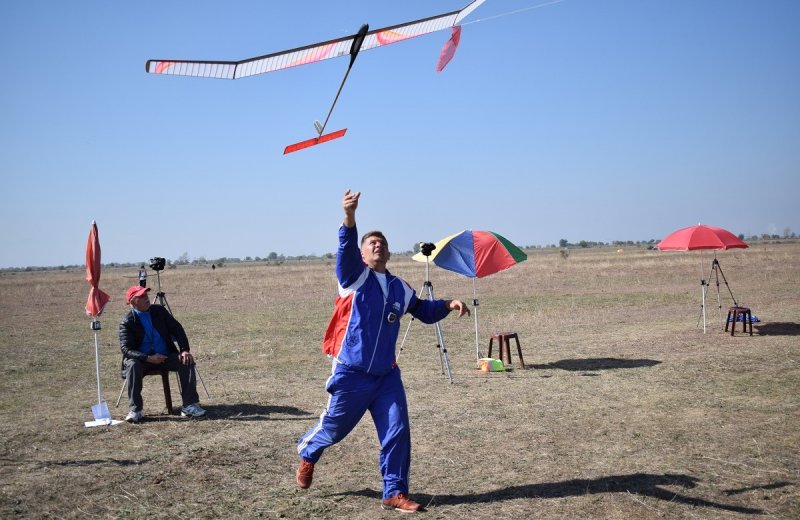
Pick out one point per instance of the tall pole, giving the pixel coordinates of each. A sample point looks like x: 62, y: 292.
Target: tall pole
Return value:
x: 475, y: 311
x: 703, y: 290
x: 95, y: 326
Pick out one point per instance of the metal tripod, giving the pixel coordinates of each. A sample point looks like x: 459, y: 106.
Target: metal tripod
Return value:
x: 428, y: 290
x: 161, y: 298
x: 716, y: 270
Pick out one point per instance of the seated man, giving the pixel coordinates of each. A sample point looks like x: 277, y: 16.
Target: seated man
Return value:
x: 146, y: 335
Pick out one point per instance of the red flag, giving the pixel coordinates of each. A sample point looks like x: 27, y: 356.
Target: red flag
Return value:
x: 449, y: 49
x: 97, y: 298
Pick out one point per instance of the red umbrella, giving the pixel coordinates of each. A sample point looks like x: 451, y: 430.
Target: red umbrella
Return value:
x: 703, y: 237
x: 97, y: 298
x: 700, y: 237
x: 94, y: 308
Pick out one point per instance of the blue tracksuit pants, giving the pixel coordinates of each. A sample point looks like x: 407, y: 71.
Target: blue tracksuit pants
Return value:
x: 352, y: 393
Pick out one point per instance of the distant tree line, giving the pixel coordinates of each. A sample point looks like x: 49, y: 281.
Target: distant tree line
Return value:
x: 277, y: 259
x: 565, y: 244
x: 788, y: 234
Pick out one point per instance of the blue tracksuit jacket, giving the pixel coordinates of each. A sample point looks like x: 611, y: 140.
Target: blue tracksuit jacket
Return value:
x: 363, y: 330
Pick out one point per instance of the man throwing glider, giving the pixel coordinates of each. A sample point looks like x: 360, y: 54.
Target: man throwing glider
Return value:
x: 360, y: 339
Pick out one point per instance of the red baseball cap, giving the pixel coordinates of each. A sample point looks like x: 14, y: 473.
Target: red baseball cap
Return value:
x: 135, y: 290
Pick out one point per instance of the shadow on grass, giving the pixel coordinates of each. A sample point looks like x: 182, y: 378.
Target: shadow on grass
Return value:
x: 777, y: 329
x: 580, y: 365
x: 256, y: 412
x: 775, y: 485
x: 642, y: 484
x: 77, y: 463
x: 235, y: 412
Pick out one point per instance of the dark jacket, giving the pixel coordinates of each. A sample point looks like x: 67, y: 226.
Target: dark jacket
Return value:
x: 131, y: 333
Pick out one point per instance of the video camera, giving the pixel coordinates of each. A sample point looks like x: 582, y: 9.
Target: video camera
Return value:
x: 157, y: 263
x: 426, y: 248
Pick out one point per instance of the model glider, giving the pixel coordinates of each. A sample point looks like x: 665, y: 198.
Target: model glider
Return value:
x: 364, y: 39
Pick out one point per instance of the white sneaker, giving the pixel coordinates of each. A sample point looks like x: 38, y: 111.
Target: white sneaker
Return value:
x: 193, y: 410
x: 134, y: 417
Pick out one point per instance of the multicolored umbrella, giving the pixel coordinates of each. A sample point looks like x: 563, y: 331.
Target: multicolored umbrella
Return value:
x: 94, y: 308
x: 703, y: 237
x: 475, y: 254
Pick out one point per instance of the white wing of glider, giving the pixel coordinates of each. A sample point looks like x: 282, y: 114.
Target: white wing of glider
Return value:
x: 309, y: 53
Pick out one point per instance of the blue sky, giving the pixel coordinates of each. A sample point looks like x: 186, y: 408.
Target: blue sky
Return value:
x: 584, y: 120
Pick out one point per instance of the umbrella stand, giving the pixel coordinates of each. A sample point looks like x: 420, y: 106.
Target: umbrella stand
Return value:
x: 704, y: 285
x: 475, y: 305
x: 94, y: 308
x: 100, y: 410
x: 703, y: 291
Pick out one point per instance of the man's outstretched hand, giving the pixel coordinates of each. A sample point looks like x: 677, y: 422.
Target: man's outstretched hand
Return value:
x: 458, y: 305
x: 349, y: 205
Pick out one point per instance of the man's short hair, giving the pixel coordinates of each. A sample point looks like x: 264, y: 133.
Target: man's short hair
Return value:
x: 374, y: 234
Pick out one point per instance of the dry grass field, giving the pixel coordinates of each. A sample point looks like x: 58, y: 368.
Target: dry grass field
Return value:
x: 625, y: 408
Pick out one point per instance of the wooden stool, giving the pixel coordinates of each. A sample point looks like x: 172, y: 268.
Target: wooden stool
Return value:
x: 735, y: 312
x: 504, y: 345
x: 164, y: 382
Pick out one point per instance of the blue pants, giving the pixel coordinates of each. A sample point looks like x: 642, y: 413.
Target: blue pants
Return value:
x: 352, y: 394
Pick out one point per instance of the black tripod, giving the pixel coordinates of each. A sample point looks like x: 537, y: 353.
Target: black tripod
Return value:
x: 427, y: 248
x: 716, y: 271
x: 161, y: 298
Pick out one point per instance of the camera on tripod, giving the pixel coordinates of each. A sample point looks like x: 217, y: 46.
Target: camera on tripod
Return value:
x: 426, y: 248
x: 157, y: 263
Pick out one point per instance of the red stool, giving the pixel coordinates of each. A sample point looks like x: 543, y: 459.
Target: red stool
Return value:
x: 735, y: 312
x: 504, y: 345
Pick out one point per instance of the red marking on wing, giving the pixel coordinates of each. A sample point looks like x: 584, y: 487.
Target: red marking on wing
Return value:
x: 163, y: 65
x: 319, y: 53
x: 387, y: 37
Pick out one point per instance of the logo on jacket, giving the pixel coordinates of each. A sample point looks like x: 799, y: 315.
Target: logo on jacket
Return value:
x: 392, y: 316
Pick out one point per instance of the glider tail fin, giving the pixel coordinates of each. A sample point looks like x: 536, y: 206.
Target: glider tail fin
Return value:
x: 449, y: 49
